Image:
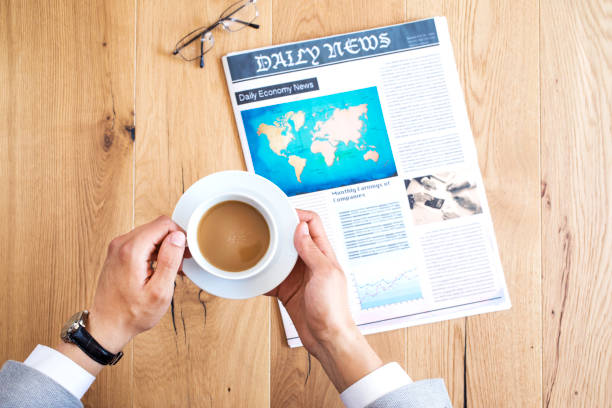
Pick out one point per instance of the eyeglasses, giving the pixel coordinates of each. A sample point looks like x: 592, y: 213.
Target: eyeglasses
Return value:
x: 236, y: 17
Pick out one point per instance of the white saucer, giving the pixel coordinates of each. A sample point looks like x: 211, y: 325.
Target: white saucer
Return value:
x: 279, y: 206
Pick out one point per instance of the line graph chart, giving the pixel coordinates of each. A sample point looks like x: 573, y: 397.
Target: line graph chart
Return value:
x: 386, y: 287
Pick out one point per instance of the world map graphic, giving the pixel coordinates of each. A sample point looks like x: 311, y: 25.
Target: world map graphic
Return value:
x: 320, y: 143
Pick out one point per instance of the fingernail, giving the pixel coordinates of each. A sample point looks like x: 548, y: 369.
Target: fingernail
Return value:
x: 304, y: 229
x: 177, y: 238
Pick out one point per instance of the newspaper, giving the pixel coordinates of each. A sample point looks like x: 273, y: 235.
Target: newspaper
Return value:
x: 370, y: 130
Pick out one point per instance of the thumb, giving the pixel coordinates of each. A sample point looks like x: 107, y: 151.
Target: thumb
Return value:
x: 169, y: 259
x: 307, y: 249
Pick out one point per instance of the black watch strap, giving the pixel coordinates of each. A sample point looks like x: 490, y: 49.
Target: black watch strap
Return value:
x: 93, y: 349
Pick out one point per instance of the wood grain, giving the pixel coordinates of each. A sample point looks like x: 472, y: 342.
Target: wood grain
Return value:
x: 576, y: 81
x: 497, y: 55
x: 72, y: 75
x: 438, y: 351
x: 66, y: 167
x: 292, y: 384
x: 207, y: 351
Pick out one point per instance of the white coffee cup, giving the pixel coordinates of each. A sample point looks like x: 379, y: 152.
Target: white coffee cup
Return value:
x: 192, y: 236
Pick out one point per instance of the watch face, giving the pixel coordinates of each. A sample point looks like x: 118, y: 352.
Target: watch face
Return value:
x: 71, y: 326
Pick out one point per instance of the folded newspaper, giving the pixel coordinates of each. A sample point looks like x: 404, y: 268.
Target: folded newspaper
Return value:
x: 370, y: 130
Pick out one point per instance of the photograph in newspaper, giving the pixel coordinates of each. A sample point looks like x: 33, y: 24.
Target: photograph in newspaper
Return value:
x: 442, y: 196
x: 320, y: 143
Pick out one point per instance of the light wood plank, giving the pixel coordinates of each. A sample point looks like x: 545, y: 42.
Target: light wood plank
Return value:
x: 496, y: 49
x: 289, y: 367
x: 438, y: 351
x: 576, y: 80
x: 210, y: 352
x: 66, y: 168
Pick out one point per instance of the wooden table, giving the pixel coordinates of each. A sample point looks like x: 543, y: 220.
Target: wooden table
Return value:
x: 102, y: 130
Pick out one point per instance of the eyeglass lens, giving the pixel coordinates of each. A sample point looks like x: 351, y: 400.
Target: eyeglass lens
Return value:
x: 236, y: 17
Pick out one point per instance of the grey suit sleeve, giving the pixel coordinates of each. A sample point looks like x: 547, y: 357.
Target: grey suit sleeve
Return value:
x: 24, y: 387
x: 420, y: 394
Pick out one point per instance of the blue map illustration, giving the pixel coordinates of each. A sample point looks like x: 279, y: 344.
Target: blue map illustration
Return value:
x: 386, y: 287
x: 320, y: 143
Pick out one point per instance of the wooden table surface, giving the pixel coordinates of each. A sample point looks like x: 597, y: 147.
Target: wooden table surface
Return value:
x: 101, y: 130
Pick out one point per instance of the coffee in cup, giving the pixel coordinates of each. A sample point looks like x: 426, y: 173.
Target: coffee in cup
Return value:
x: 233, y: 236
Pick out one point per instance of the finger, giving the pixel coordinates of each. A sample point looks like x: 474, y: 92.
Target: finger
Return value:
x: 308, y: 250
x: 169, y: 260
x: 317, y: 232
x: 290, y: 287
x: 116, y: 243
x: 145, y: 239
x: 291, y: 283
x: 273, y: 292
x: 186, y: 255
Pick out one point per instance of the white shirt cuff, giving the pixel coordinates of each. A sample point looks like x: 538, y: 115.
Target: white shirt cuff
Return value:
x: 60, y: 369
x: 379, y: 382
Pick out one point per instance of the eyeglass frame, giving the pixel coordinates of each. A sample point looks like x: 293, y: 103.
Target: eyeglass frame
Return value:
x: 209, y: 29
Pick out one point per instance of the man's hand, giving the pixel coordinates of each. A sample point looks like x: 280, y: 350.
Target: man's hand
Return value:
x: 132, y: 296
x: 315, y: 296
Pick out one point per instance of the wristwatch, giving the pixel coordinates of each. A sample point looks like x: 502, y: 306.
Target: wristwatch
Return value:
x: 74, y: 331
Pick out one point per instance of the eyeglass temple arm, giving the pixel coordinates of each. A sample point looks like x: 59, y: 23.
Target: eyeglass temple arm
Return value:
x: 235, y: 20
x: 202, y: 51
x: 195, y: 37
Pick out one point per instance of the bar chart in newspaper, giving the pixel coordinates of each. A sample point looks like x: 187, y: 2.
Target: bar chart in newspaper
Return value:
x: 386, y: 287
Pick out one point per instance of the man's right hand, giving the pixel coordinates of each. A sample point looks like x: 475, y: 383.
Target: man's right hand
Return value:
x: 131, y: 296
x: 315, y: 296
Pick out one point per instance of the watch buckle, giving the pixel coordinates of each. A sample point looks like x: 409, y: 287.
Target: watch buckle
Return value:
x: 116, y: 358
